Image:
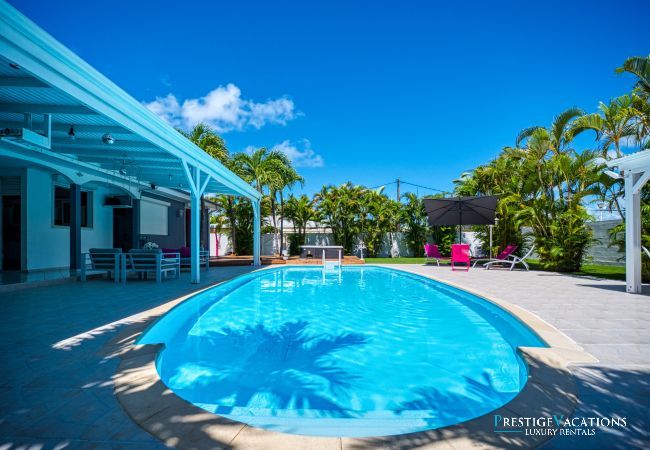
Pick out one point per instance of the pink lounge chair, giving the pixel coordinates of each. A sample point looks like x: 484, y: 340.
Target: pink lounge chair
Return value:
x: 460, y: 254
x: 503, y: 256
x: 512, y: 260
x: 432, y: 253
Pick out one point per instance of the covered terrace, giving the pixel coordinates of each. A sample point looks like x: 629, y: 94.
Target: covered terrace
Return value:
x: 58, y: 113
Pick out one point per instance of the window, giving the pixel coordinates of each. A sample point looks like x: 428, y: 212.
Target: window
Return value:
x: 62, y: 207
x: 154, y: 216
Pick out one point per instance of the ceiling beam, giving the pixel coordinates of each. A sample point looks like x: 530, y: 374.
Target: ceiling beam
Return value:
x: 22, y: 82
x: 116, y: 159
x: 97, y: 143
x: 65, y: 127
x: 114, y: 153
x: 35, y: 108
x: 154, y: 165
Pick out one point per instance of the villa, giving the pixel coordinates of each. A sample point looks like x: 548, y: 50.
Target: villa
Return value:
x: 339, y: 343
x: 84, y: 165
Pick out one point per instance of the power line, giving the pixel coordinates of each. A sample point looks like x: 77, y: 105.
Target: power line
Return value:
x: 424, y: 187
x: 400, y: 181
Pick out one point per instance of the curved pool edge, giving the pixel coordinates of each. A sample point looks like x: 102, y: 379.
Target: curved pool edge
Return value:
x: 550, y: 389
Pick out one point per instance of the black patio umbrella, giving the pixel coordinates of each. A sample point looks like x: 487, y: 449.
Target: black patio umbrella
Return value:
x: 461, y: 211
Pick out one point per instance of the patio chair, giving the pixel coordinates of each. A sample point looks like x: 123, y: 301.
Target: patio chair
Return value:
x: 432, y: 254
x: 103, y: 260
x: 510, y: 249
x: 186, y: 257
x: 143, y: 262
x: 460, y: 254
x: 512, y: 260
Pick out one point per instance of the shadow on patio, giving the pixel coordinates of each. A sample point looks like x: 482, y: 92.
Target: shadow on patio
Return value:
x: 57, y: 383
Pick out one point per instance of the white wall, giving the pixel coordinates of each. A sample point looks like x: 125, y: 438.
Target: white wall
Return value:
x: 224, y: 244
x: 48, y: 246
x: 101, y: 234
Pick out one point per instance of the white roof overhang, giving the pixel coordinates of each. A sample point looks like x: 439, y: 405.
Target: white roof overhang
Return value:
x: 634, y: 163
x: 38, y: 75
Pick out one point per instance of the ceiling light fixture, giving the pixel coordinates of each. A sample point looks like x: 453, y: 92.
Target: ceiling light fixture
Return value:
x: 108, y: 139
x: 71, y: 134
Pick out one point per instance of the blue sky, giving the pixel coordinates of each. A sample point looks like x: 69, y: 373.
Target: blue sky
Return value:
x: 359, y: 91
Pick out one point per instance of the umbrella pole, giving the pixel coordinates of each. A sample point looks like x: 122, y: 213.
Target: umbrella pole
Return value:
x: 460, y: 221
x: 490, y: 241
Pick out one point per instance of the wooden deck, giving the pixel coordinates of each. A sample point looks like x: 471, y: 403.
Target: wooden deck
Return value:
x: 221, y: 261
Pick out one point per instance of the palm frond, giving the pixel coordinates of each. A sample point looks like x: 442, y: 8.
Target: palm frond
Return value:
x: 525, y: 134
x: 561, y: 123
x: 639, y: 66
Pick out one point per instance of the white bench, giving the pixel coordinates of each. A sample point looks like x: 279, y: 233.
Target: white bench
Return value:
x: 101, y: 260
x: 143, y: 262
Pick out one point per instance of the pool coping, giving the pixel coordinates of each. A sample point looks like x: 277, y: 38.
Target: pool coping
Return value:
x: 550, y: 389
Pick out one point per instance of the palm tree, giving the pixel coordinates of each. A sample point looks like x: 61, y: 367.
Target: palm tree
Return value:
x: 558, y: 135
x: 613, y: 123
x: 300, y: 210
x: 414, y: 217
x: 204, y: 136
x: 288, y: 178
x: 555, y: 140
x: 270, y: 172
x: 262, y: 167
x: 639, y: 66
x: 340, y: 208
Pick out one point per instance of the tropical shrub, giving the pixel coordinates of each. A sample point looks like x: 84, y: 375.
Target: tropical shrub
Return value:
x: 443, y: 237
x: 339, y: 208
x: 355, y: 213
x: 300, y: 210
x: 542, y: 183
x: 415, y: 224
x: 295, y: 241
x: 378, y: 216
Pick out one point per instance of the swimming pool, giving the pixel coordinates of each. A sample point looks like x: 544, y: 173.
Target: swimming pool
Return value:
x: 362, y: 351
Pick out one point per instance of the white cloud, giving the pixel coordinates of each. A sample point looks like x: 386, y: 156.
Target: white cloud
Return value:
x: 166, y: 107
x: 224, y: 109
x: 306, y: 157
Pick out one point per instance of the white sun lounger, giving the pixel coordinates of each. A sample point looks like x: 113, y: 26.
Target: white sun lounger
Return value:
x: 512, y: 260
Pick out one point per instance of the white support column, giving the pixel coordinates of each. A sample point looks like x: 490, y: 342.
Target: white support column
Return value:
x: 632, y: 234
x: 256, y: 233
x: 195, y: 227
x: 197, y: 187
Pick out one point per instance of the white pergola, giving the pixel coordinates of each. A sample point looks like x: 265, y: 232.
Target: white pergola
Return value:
x: 635, y: 170
x: 45, y: 89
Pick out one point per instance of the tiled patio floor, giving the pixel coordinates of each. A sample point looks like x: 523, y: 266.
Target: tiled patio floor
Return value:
x: 598, y: 315
x: 56, y: 388
x: 57, y: 392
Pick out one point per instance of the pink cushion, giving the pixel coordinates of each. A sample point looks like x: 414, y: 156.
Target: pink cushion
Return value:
x: 432, y: 251
x: 185, y: 252
x: 507, y: 251
x: 460, y: 252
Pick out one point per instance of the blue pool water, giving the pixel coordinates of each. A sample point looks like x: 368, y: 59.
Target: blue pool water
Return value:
x: 359, y: 352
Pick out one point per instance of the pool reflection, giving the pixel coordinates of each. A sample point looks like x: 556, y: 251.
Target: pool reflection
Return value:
x: 280, y: 368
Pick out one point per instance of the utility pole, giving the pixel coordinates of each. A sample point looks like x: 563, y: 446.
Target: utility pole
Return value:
x: 399, y: 228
